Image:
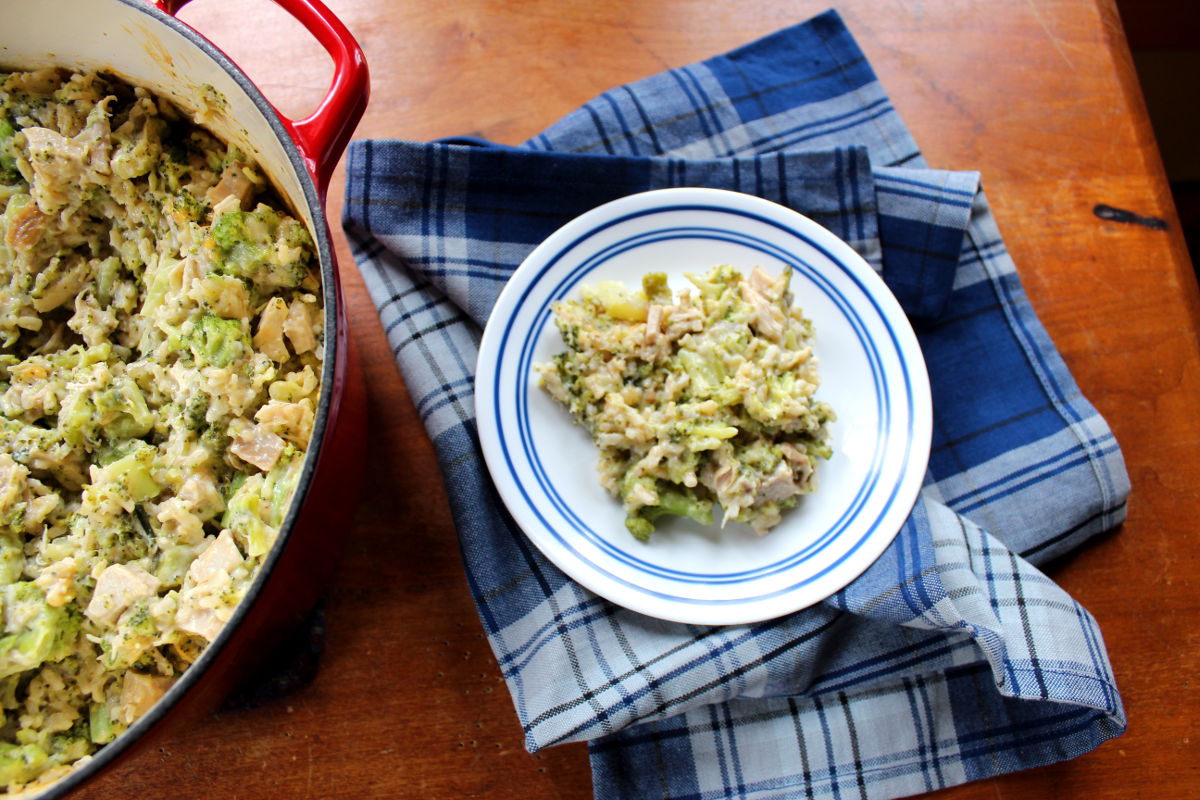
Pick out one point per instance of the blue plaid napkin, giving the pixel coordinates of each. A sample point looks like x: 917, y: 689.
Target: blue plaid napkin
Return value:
x: 952, y: 658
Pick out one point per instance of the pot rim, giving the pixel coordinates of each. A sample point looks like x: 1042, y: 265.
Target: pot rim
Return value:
x: 334, y: 333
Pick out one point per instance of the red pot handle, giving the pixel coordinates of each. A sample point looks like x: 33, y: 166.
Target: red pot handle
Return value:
x: 322, y: 136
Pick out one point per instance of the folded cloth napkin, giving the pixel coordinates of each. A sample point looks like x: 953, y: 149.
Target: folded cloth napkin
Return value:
x: 952, y: 658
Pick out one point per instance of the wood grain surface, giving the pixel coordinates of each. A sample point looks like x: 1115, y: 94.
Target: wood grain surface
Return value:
x: 1038, y: 95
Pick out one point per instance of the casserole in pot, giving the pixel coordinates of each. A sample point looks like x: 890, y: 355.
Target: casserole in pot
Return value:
x: 182, y: 420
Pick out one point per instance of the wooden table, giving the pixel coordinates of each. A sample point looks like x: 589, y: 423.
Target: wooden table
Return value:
x: 1039, y: 95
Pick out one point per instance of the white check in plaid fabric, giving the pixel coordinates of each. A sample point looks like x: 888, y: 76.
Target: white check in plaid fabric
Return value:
x: 953, y: 657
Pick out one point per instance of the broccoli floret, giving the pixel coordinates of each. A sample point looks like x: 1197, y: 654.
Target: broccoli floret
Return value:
x: 173, y: 564
x: 670, y: 501
x: 269, y: 249
x: 640, y: 527
x: 115, y: 411
x: 245, y: 510
x: 184, y: 207
x: 103, y: 726
x: 195, y: 412
x: 8, y: 162
x: 124, y: 407
x: 716, y: 281
x: 218, y: 342
x: 281, y: 484
x: 36, y: 632
x: 681, y: 504
x: 107, y: 273
x: 234, y: 154
x: 229, y: 231
x: 138, y: 146
x: 654, y: 286
x: 133, y: 472
x: 20, y: 762
x: 12, y: 546
x: 255, y: 505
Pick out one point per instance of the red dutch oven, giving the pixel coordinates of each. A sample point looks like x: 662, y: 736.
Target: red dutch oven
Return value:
x: 147, y: 46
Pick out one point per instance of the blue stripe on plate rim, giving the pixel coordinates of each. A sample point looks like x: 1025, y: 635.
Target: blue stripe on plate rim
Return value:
x: 868, y: 532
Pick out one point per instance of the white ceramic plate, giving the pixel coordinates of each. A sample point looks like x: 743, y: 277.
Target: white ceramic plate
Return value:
x: 872, y: 373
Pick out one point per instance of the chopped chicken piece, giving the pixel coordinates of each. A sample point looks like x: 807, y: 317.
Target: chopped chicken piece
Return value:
x: 299, y: 326
x: 255, y: 445
x: 139, y: 692
x: 236, y: 181
x: 779, y: 486
x: 69, y: 281
x: 269, y: 337
x: 202, y: 620
x: 200, y: 610
x: 117, y: 587
x: 200, y: 493
x: 57, y: 162
x: 219, y: 557
x: 768, y: 319
x: 654, y: 344
x: 12, y: 481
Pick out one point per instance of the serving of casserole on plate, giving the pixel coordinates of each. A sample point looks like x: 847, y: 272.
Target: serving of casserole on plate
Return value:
x: 871, y: 373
